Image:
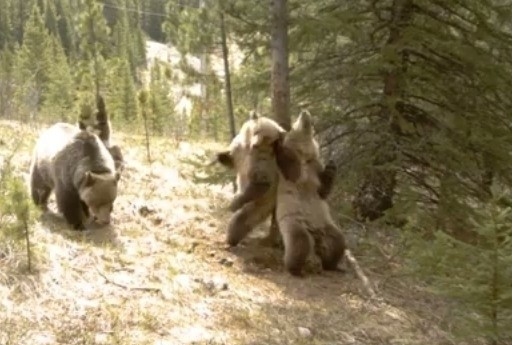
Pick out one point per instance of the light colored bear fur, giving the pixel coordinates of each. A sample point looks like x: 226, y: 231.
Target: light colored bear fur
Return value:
x: 77, y: 165
x: 251, y: 155
x: 303, y: 215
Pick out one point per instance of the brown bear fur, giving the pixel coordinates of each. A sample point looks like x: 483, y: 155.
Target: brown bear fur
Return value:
x: 103, y: 128
x: 302, y: 213
x: 251, y: 155
x: 77, y: 166
x: 101, y: 124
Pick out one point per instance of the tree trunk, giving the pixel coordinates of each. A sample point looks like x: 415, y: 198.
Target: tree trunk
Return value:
x: 376, y: 191
x: 280, y: 89
x: 280, y: 65
x: 227, y: 81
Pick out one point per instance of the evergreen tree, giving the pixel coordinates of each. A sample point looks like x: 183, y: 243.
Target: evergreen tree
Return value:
x: 20, y: 13
x: 160, y: 106
x: 5, y: 24
x: 122, y: 96
x: 34, y: 61
x: 51, y: 17
x: 60, y: 90
x: 7, y: 82
x: 65, y: 27
x: 94, y: 36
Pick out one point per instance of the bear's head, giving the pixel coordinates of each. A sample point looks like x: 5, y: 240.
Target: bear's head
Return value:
x: 299, y: 153
x: 257, y: 133
x: 99, y: 191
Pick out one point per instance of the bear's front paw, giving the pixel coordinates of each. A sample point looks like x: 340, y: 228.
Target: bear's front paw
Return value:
x: 331, y: 168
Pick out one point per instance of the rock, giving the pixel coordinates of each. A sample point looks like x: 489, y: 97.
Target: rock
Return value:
x: 226, y: 262
x: 304, y: 332
x: 215, y: 284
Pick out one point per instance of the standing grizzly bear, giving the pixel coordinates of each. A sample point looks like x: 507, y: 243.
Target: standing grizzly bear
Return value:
x: 251, y: 155
x: 303, y: 215
x: 80, y: 169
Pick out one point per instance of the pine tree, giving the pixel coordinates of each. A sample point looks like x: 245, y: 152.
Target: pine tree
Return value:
x: 34, y: 61
x: 93, y: 36
x: 122, y: 97
x: 160, y: 105
x: 51, y: 17
x: 65, y: 27
x: 7, y: 83
x: 60, y: 90
x: 5, y: 24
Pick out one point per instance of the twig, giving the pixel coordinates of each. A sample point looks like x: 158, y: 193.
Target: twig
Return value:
x: 359, y: 273
x: 126, y: 287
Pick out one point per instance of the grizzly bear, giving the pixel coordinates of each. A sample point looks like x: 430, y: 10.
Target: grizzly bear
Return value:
x: 303, y: 215
x: 251, y: 155
x: 103, y: 128
x: 77, y: 165
x: 101, y: 124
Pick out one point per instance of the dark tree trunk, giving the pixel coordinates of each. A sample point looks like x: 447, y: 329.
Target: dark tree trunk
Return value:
x: 376, y: 191
x: 280, y: 90
x: 227, y: 80
x: 280, y: 64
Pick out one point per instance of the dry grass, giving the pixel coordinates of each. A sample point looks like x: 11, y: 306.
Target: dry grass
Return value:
x: 161, y: 274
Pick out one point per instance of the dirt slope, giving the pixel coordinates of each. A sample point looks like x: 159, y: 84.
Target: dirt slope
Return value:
x: 161, y: 274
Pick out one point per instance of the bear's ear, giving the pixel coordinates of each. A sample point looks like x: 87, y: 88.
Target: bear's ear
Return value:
x: 253, y: 115
x: 225, y: 158
x: 304, y: 122
x: 81, y: 125
x: 288, y: 161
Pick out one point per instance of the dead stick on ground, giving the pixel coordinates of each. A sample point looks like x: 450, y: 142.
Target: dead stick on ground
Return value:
x: 359, y: 273
x: 126, y: 287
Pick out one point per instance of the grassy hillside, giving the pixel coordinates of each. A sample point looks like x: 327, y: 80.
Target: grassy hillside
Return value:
x: 161, y: 274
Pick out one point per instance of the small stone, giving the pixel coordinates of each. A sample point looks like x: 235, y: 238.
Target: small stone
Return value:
x: 216, y: 283
x: 226, y: 262
x: 304, y: 332
x: 145, y: 210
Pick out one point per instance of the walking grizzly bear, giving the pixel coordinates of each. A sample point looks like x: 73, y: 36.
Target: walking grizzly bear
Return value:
x: 80, y: 169
x: 303, y: 215
x: 251, y: 155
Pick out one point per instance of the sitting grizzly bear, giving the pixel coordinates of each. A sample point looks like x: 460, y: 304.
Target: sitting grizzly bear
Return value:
x: 251, y: 155
x: 303, y: 215
x: 78, y: 166
x: 102, y: 127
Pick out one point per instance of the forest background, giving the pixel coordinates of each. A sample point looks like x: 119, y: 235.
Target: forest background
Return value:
x: 412, y: 100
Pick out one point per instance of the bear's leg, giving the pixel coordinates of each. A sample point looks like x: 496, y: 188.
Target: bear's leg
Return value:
x: 298, y: 243
x: 252, y: 192
x: 243, y: 221
x: 39, y: 189
x: 69, y: 203
x: 332, y: 249
x: 273, y: 239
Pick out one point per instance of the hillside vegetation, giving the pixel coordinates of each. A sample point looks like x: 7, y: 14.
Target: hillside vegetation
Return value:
x: 410, y: 99
x: 161, y: 273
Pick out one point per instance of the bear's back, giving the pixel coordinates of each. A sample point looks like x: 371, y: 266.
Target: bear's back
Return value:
x: 54, y: 139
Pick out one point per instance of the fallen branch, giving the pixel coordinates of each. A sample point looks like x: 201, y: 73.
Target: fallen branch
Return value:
x: 359, y: 273
x: 126, y: 287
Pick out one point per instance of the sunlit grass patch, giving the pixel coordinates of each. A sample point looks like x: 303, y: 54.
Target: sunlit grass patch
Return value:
x: 162, y: 273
